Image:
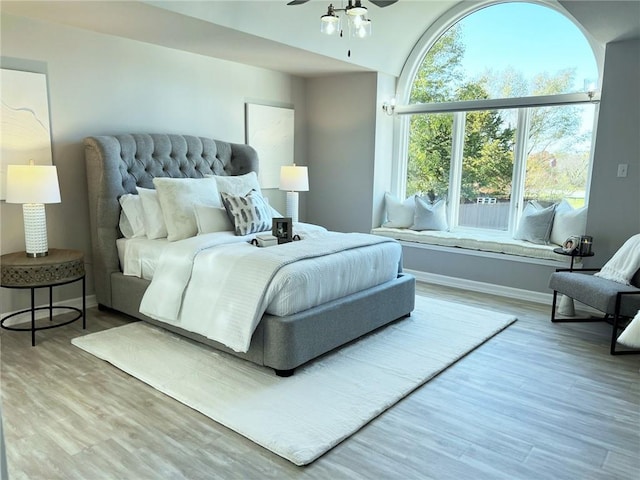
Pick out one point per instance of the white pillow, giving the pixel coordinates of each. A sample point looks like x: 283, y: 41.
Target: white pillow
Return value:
x: 568, y: 222
x: 430, y: 216
x: 131, y: 216
x: 630, y: 336
x: 238, y: 185
x: 154, y: 224
x: 535, y: 224
x: 249, y: 213
x: 177, y: 197
x: 212, y: 219
x: 399, y: 214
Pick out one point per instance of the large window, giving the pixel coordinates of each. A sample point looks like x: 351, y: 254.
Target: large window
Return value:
x: 500, y: 115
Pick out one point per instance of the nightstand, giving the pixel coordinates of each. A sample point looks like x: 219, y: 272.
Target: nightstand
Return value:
x: 58, y: 268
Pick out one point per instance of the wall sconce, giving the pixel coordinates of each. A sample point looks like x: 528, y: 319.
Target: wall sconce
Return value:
x: 293, y: 179
x: 590, y: 88
x: 389, y: 107
x: 33, y: 186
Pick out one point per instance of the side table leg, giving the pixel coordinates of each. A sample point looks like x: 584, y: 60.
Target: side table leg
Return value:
x: 51, y: 304
x: 33, y: 317
x: 84, y: 304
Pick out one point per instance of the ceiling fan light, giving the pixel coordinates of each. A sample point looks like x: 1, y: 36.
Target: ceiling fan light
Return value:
x: 362, y: 29
x: 353, y: 11
x: 356, y: 9
x: 330, y: 24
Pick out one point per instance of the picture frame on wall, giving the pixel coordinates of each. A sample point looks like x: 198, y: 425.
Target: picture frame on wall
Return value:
x: 270, y: 130
x: 282, y: 229
x: 26, y: 127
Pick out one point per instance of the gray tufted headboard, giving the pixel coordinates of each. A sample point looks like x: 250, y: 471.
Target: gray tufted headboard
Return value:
x: 118, y: 164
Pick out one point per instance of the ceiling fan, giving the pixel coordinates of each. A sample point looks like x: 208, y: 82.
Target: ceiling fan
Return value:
x: 379, y: 3
x: 356, y: 15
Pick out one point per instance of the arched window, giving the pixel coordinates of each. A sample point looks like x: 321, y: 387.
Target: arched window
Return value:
x: 498, y: 113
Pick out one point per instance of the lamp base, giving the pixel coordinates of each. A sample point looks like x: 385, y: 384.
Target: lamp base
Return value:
x: 35, y: 230
x: 292, y: 206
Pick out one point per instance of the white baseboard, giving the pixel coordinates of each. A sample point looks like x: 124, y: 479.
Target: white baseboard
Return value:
x: 482, y: 287
x: 492, y: 289
x: 26, y: 316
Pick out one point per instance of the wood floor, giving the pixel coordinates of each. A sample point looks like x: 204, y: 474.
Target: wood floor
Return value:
x: 538, y: 401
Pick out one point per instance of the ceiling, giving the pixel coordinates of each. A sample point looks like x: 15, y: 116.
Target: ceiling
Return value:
x: 270, y: 34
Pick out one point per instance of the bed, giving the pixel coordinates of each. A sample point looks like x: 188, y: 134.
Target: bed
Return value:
x: 119, y: 165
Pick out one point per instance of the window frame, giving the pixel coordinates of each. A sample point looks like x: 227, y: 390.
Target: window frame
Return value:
x: 403, y: 110
x: 523, y: 106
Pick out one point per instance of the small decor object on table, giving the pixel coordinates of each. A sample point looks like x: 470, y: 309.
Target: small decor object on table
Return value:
x: 586, y: 243
x: 59, y: 267
x: 571, y: 245
x: 265, y: 240
x: 283, y: 229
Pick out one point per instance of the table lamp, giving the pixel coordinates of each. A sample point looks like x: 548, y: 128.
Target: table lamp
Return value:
x: 293, y: 179
x: 33, y: 186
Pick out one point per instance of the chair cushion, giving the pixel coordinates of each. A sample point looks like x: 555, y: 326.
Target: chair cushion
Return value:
x: 596, y: 292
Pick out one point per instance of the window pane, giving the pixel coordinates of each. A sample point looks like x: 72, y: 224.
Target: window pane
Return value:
x: 558, y: 152
x: 503, y: 49
x: 487, y: 169
x: 429, y: 154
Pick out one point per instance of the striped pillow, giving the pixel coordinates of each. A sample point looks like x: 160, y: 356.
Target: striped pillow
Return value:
x: 248, y: 214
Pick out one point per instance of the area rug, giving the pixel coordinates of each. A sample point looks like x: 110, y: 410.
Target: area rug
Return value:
x: 303, y: 416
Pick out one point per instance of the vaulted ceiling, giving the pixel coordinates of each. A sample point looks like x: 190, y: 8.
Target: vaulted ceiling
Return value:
x: 273, y: 35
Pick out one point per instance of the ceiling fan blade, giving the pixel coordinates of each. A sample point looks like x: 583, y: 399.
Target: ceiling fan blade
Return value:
x: 297, y: 2
x: 383, y: 3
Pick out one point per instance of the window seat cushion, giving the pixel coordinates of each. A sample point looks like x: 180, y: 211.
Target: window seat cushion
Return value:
x: 498, y: 242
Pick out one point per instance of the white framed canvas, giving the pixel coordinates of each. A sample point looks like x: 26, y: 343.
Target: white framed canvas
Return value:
x: 270, y: 131
x: 25, y: 132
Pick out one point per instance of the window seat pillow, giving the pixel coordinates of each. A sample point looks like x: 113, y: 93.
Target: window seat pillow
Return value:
x: 487, y: 242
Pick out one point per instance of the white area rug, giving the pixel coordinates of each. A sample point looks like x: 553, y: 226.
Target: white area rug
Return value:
x: 326, y: 401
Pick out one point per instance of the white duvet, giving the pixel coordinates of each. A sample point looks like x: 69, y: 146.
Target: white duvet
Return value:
x: 219, y: 286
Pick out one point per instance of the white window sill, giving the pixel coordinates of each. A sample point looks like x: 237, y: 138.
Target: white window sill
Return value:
x: 492, y: 244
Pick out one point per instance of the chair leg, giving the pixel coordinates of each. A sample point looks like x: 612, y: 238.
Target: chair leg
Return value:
x: 614, y: 333
x: 553, y: 306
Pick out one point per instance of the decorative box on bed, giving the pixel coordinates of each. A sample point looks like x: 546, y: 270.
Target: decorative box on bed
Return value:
x: 118, y: 165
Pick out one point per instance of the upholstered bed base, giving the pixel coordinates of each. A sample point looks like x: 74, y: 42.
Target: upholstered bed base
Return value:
x: 284, y: 343
x: 117, y: 164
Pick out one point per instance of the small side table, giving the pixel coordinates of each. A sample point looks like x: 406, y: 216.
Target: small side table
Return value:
x: 573, y: 255
x: 58, y: 268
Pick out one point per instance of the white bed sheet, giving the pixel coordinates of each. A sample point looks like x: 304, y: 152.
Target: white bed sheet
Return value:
x: 302, y: 288
x: 139, y: 256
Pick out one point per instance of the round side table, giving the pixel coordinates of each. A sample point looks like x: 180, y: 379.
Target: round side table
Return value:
x: 573, y: 255
x: 59, y: 267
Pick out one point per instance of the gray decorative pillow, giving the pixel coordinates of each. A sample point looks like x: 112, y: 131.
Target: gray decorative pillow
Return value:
x: 535, y: 224
x: 430, y: 216
x: 249, y: 214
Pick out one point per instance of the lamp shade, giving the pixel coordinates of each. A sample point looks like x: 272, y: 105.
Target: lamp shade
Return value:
x: 294, y: 178
x: 32, y: 184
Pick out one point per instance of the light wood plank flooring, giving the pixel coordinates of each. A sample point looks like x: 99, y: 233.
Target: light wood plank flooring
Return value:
x: 538, y: 401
